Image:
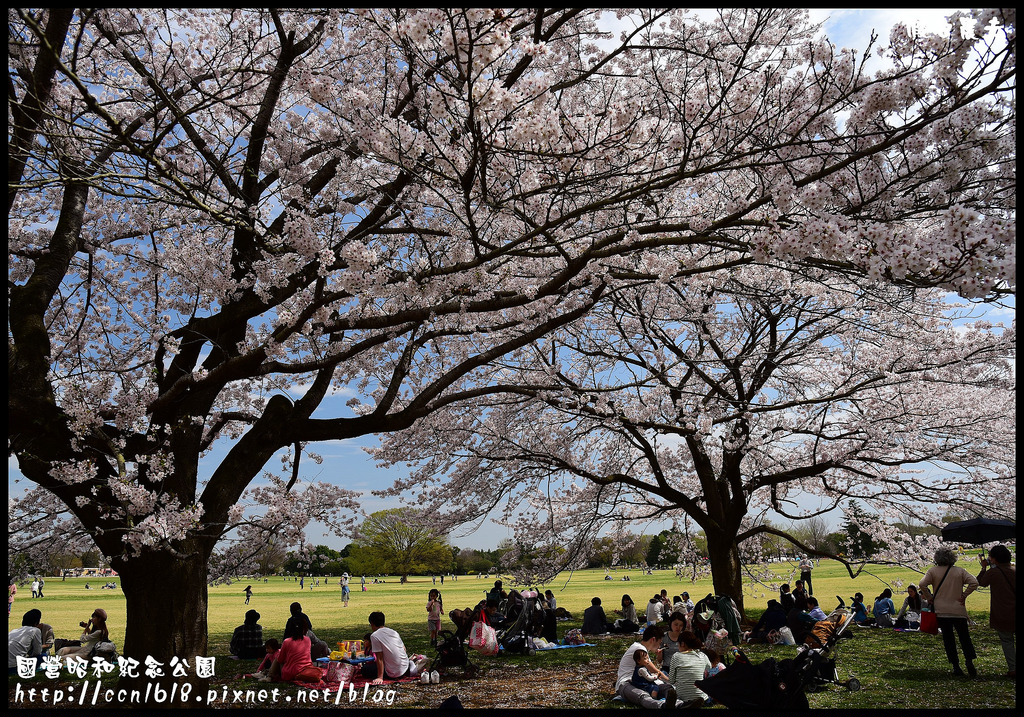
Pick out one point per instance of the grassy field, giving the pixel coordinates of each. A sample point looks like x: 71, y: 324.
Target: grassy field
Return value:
x: 897, y: 670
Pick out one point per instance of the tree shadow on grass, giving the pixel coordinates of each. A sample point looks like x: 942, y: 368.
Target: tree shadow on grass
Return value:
x: 944, y: 675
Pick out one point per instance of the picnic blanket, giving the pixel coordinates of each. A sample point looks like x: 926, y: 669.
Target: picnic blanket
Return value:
x: 356, y: 681
x: 564, y: 647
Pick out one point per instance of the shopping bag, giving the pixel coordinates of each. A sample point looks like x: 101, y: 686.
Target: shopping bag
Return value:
x: 483, y: 639
x: 929, y: 623
x: 787, y: 636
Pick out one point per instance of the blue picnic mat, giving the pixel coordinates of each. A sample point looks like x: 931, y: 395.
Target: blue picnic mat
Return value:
x: 564, y: 647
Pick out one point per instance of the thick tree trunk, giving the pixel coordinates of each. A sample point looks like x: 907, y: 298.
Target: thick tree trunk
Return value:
x: 726, y: 573
x: 166, y: 601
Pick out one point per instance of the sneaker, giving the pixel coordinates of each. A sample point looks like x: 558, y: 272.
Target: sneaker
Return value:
x: 435, y: 677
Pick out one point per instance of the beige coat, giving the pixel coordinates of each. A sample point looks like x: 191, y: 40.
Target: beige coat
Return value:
x: 1002, y: 580
x: 946, y: 603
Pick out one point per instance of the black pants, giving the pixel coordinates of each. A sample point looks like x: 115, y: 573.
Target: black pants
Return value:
x: 806, y: 577
x: 369, y: 671
x: 959, y: 624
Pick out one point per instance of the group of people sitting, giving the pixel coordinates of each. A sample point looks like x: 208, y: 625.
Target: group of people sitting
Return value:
x: 35, y: 639
x: 659, y: 609
x: 292, y: 659
x: 683, y: 659
x: 883, y: 611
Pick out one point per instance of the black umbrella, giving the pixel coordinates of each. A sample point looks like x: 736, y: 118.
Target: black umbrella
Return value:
x: 980, y: 530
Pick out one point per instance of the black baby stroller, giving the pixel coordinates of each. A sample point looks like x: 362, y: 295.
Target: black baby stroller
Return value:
x: 451, y: 646
x: 783, y: 684
x: 813, y: 656
x: 523, y: 623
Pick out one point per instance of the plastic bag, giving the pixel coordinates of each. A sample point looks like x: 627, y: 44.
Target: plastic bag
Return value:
x: 787, y: 636
x: 483, y: 639
x: 718, y: 640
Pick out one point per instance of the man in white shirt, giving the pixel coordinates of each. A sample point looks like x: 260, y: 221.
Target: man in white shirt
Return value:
x: 26, y: 641
x: 392, y: 661
x: 650, y: 642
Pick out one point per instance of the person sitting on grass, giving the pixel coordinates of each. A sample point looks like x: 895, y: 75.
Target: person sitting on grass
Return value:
x: 594, y: 620
x: 247, y: 639
x: 786, y: 598
x: 670, y: 643
x: 884, y: 609
x: 392, y: 661
x: 909, y: 616
x: 497, y: 593
x: 624, y: 688
x: 716, y: 662
x: 814, y: 611
x: 688, y: 666
x: 487, y: 611
x: 629, y: 622
x: 271, y: 648
x: 800, y: 624
x: 25, y: 641
x: 647, y: 677
x: 860, y: 610
x: 716, y: 666
x: 799, y: 595
x: 317, y: 647
x: 93, y: 631
x: 773, y: 618
x: 293, y: 663
x: 655, y: 610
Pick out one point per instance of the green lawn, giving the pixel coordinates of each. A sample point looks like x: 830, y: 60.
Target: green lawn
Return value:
x: 897, y: 670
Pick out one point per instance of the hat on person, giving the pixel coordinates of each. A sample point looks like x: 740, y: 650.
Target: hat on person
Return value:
x: 252, y: 617
x: 100, y: 613
x: 856, y: 597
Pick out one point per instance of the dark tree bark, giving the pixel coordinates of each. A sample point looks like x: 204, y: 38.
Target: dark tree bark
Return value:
x: 166, y: 602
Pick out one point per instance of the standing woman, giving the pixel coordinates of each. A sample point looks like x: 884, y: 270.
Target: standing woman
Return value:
x: 248, y: 593
x: 999, y: 575
x: 950, y: 587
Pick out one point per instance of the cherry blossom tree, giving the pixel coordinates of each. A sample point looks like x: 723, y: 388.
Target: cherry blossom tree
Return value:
x: 725, y: 399
x: 218, y: 217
